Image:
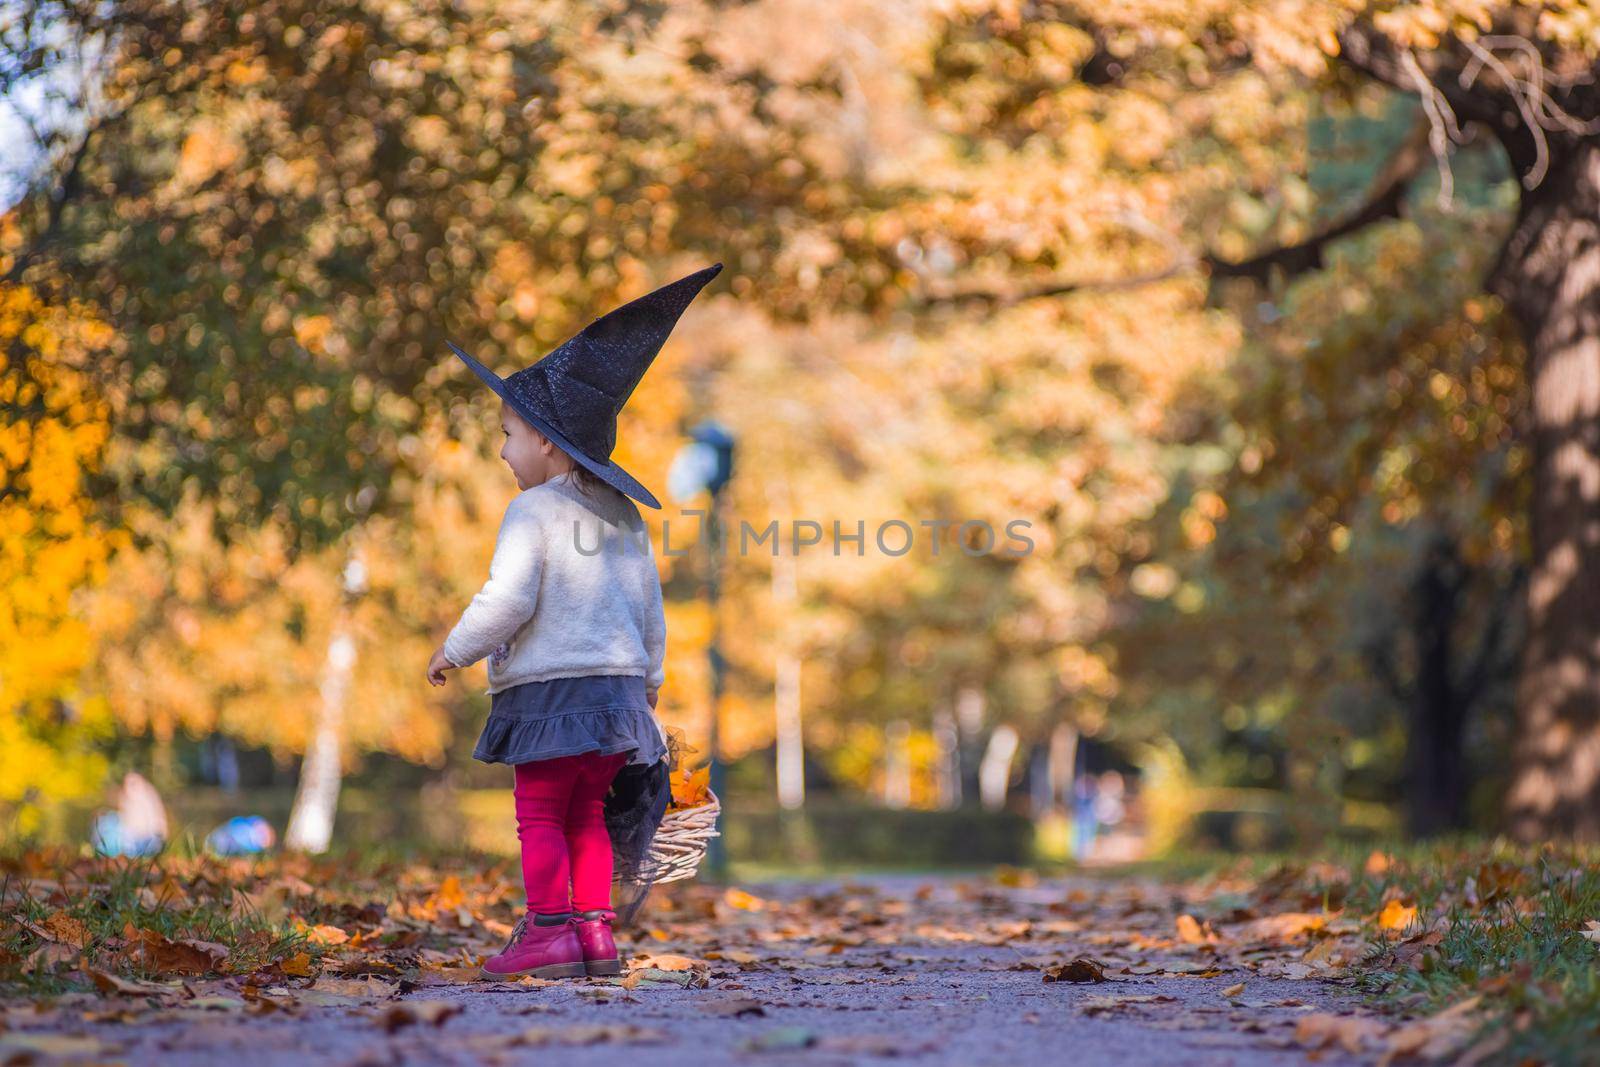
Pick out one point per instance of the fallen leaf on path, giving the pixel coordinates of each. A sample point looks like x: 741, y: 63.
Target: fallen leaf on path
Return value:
x: 1437, y: 1037
x: 216, y: 1004
x: 435, y: 976
x: 1348, y: 1032
x: 657, y: 976
x: 1192, y: 932
x: 296, y: 966
x: 1396, y: 916
x: 110, y: 983
x: 424, y: 1012
x: 870, y: 1045
x: 368, y: 988
x: 185, y: 956
x: 1107, y: 1004
x: 65, y: 929
x: 325, y: 935
x: 26, y: 1048
x: 734, y: 1008
x: 666, y: 962
x: 1233, y: 991
x: 738, y: 898
x: 1081, y: 969
x: 613, y: 1033
x: 48, y: 957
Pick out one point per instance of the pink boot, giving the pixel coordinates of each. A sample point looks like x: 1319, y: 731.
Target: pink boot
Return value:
x: 599, y: 950
x: 540, y: 951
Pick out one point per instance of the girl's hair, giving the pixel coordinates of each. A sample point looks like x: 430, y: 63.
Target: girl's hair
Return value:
x: 589, y: 483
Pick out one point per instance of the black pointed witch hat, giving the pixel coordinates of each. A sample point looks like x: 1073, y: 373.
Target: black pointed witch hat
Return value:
x: 574, y: 394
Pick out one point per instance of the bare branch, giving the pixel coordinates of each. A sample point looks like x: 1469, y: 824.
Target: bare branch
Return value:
x: 1385, y: 200
x: 1054, y: 288
x: 1379, y: 654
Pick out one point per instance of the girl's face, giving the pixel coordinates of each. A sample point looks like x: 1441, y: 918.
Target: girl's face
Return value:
x: 532, y: 457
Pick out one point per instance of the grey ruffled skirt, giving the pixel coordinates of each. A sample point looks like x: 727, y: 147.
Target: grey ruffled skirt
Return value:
x: 604, y: 713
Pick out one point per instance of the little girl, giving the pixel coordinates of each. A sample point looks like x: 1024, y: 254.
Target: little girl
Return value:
x: 571, y: 620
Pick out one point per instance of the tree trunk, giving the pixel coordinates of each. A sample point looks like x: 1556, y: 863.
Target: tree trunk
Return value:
x: 1549, y: 275
x: 897, y: 765
x: 1063, y: 762
x: 789, y: 738
x: 947, y: 774
x: 1435, y: 773
x: 321, y: 772
x: 994, y: 772
x: 969, y: 731
x: 317, y: 797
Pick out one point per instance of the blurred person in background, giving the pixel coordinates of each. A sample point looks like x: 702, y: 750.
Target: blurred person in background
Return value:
x: 138, y: 826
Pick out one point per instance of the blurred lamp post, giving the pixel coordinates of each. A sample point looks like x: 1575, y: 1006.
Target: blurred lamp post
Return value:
x: 707, y: 464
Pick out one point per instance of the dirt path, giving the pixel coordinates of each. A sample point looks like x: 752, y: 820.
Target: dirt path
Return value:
x: 933, y: 971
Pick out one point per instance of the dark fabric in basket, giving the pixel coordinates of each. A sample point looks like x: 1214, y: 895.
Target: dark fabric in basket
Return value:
x: 602, y: 713
x: 634, y: 809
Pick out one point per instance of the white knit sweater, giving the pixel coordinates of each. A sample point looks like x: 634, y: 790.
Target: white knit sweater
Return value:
x: 572, y: 590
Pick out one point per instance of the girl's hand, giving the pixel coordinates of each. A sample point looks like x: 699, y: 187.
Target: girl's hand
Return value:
x: 651, y: 695
x: 437, y: 665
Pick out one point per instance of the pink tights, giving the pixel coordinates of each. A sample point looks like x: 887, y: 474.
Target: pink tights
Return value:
x: 561, y: 824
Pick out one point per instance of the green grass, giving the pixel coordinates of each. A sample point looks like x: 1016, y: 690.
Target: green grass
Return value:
x: 1510, y: 918
x: 107, y: 896
x: 1511, y: 921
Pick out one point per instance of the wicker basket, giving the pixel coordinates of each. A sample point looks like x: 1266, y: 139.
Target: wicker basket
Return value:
x: 679, y: 845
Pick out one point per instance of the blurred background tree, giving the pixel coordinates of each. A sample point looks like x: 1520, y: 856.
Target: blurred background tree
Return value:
x: 1199, y: 293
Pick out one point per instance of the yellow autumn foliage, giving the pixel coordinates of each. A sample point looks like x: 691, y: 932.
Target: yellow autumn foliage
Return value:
x: 53, y: 433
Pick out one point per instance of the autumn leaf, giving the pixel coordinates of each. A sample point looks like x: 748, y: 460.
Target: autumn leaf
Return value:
x: 48, y: 957
x: 65, y: 929
x: 734, y: 1008
x: 1437, y: 1037
x: 324, y: 935
x: 738, y: 898
x: 1351, y: 1033
x: 22, y: 1048
x: 667, y: 962
x: 1396, y: 916
x: 1081, y: 969
x: 110, y: 984
x: 690, y: 789
x: 656, y: 976
x: 296, y: 966
x: 1110, y: 1004
x: 1191, y: 932
x: 423, y: 1012
x: 155, y: 952
x: 366, y: 988
x: 615, y: 1033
